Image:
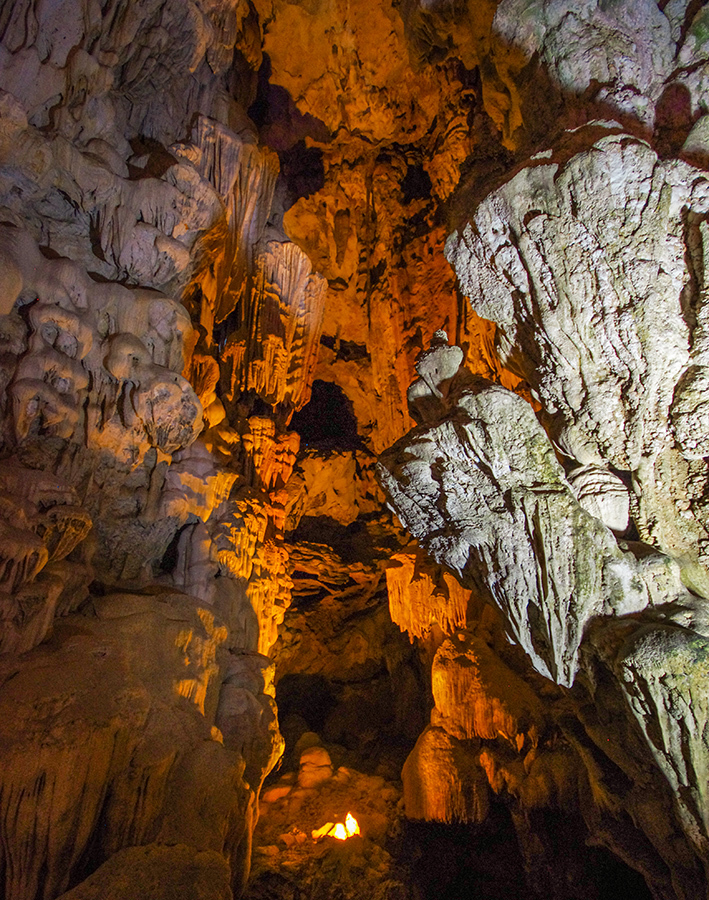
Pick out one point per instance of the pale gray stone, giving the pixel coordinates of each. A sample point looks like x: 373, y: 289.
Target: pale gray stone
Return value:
x: 592, y: 266
x: 624, y: 49
x: 603, y: 495
x: 483, y: 492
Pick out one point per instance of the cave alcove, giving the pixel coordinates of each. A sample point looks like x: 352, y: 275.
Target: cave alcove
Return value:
x: 327, y: 421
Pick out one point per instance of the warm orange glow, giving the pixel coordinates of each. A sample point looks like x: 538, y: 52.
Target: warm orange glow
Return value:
x: 351, y: 825
x: 323, y: 830
x: 339, y: 831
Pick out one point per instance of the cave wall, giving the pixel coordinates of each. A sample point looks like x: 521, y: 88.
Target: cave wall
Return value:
x: 208, y: 208
x: 143, y: 570
x: 580, y: 520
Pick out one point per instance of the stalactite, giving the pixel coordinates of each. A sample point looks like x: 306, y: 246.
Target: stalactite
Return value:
x: 421, y: 595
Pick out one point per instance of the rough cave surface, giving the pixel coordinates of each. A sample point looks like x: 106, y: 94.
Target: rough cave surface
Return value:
x: 354, y: 441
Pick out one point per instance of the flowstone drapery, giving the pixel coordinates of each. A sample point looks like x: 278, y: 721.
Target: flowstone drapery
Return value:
x: 619, y: 624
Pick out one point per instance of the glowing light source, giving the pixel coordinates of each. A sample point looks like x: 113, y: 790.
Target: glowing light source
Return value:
x: 351, y: 825
x: 339, y: 831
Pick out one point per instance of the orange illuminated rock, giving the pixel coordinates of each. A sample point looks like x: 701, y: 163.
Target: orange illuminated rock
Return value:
x: 175, y: 274
x: 444, y: 781
x: 479, y: 696
x: 422, y: 594
x: 155, y: 869
x: 389, y: 289
x: 244, y: 177
x: 109, y: 694
x: 275, y: 350
x: 354, y: 71
x: 315, y: 767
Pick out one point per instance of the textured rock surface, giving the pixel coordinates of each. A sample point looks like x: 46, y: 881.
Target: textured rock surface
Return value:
x: 158, y: 871
x: 102, y: 728
x: 585, y: 263
x: 289, y: 858
x: 480, y: 487
x: 149, y: 715
x: 444, y: 781
x: 485, y: 480
x: 221, y: 254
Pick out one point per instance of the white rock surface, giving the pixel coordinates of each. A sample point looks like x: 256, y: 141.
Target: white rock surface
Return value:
x: 582, y: 263
x: 603, y: 495
x: 624, y: 49
x: 591, y: 263
x: 485, y: 495
x: 482, y: 491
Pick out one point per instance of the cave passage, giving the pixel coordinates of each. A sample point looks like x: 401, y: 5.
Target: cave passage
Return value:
x: 327, y: 422
x: 484, y: 862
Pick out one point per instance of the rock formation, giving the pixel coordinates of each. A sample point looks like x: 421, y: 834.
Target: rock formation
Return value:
x: 230, y: 233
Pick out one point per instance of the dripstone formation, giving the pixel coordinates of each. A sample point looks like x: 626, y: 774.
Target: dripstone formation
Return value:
x: 354, y: 430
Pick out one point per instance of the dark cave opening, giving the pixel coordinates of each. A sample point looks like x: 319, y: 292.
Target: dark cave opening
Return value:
x: 416, y: 184
x: 369, y: 724
x: 351, y: 542
x: 328, y: 421
x: 452, y: 861
x: 616, y: 880
x: 307, y: 696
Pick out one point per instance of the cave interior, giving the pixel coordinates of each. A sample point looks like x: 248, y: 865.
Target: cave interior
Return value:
x: 354, y: 508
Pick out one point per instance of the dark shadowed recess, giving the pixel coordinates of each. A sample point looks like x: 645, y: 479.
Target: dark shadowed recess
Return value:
x: 328, y: 421
x: 484, y: 862
x: 465, y: 862
x: 281, y: 124
x: 284, y: 128
x: 416, y: 184
x: 367, y: 724
x: 345, y: 350
x: 353, y: 543
x: 309, y: 696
